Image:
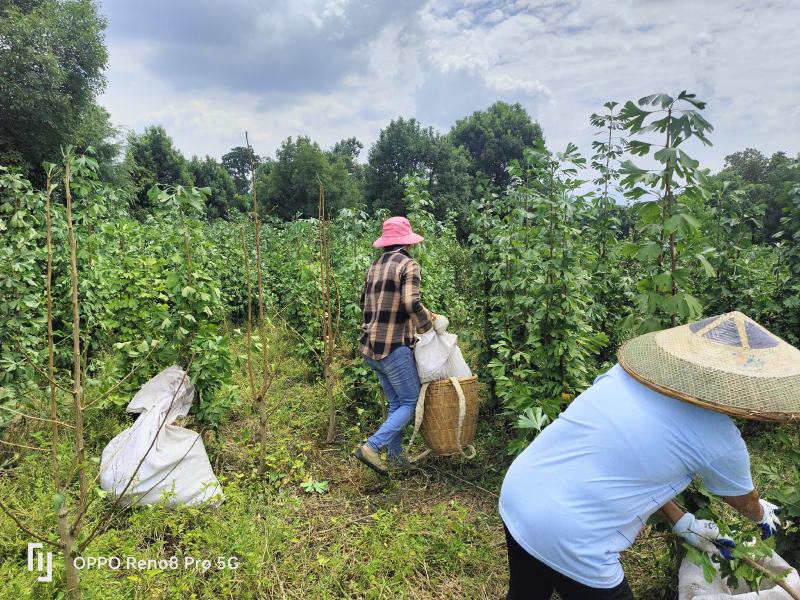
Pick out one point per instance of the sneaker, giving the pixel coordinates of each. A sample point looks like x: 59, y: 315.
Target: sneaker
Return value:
x: 372, y: 459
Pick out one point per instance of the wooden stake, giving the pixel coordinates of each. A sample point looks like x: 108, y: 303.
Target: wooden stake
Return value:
x: 250, y: 376
x: 51, y: 372
x: 266, y: 371
x: 68, y: 533
x: 328, y: 332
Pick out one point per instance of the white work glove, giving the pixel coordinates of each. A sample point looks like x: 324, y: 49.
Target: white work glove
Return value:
x: 440, y: 324
x: 769, y: 519
x: 704, y: 535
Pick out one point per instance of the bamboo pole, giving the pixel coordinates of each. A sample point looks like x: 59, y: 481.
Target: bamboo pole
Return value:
x: 326, y: 313
x: 250, y: 376
x: 266, y: 371
x: 68, y: 533
x: 50, y: 343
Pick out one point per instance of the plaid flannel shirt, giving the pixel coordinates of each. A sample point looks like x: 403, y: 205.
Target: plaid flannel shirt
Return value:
x: 392, y: 308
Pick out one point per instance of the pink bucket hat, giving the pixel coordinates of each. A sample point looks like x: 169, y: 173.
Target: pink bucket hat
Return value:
x: 397, y: 232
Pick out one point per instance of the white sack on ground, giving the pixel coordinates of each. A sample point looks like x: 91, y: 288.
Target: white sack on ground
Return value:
x: 177, y: 462
x: 693, y: 586
x: 439, y: 357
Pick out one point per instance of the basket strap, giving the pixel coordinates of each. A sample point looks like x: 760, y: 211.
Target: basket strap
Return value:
x: 462, y: 410
x: 418, y: 414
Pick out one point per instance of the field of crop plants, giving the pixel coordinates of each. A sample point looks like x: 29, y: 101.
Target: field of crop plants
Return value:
x: 120, y: 256
x: 542, y: 278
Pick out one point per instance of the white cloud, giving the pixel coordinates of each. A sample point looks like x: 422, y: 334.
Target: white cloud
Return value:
x: 562, y: 60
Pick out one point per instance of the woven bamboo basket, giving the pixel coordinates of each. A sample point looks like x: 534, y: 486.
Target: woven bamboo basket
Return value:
x: 440, y: 422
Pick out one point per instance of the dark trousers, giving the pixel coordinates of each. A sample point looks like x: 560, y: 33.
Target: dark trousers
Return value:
x: 531, y: 579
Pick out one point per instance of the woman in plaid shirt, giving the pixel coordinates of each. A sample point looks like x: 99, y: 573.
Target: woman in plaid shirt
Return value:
x: 393, y: 314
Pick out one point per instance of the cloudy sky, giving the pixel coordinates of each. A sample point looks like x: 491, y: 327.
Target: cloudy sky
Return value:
x: 207, y: 70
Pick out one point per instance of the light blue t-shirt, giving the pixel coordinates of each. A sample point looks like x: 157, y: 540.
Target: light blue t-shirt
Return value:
x: 580, y: 493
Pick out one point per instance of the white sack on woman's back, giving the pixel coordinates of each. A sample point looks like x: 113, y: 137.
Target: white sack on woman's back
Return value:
x: 439, y: 357
x: 175, y: 459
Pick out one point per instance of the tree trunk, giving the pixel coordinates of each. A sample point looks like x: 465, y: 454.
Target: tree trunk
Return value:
x: 70, y: 570
x: 77, y: 389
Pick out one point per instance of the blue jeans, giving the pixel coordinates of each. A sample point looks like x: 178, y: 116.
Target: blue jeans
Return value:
x: 400, y: 381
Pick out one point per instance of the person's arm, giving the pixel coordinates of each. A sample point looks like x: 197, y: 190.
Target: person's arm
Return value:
x: 409, y: 290
x: 747, y: 505
x: 670, y: 512
x: 700, y: 533
x: 729, y: 478
x: 765, y: 514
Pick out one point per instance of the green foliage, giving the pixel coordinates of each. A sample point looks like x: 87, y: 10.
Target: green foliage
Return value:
x: 789, y: 280
x: 195, y: 309
x: 780, y: 478
x: 148, y: 291
x: 536, y: 287
x: 294, y: 178
x: 533, y: 419
x: 22, y: 323
x: 208, y: 173
x: 52, y: 62
x: 96, y: 135
x: 152, y: 159
x: 494, y: 138
x: 237, y: 163
x: 667, y: 245
x: 348, y: 150
x: 735, y: 569
x: 611, y: 282
x: 537, y: 290
x: 405, y: 147
x: 744, y: 277
x: 311, y: 486
x: 768, y: 182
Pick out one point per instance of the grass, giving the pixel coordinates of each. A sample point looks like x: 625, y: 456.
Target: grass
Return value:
x: 433, y: 534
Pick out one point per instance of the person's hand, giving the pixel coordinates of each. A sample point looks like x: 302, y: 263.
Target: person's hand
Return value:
x: 769, y: 519
x: 440, y: 324
x: 704, y: 535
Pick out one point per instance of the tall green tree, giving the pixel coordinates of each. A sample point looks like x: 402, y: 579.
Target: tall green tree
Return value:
x: 52, y: 58
x: 530, y: 252
x: 744, y: 271
x: 208, y: 173
x: 237, y: 163
x: 405, y: 147
x: 749, y: 164
x: 97, y: 132
x: 609, y: 277
x: 151, y: 158
x: 668, y: 245
x: 494, y: 137
x: 295, y: 175
x: 347, y: 149
x: 765, y: 181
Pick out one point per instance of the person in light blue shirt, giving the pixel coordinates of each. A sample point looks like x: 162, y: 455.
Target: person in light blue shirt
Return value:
x: 580, y: 493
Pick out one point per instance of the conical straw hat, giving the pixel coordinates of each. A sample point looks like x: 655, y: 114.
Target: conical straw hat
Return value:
x: 727, y: 363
